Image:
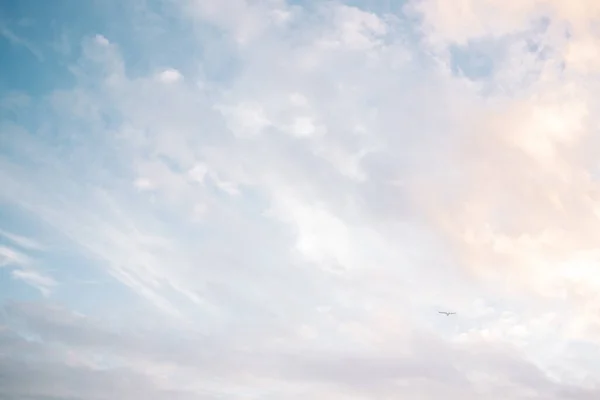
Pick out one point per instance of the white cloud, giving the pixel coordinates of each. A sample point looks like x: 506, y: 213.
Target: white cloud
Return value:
x: 22, y: 265
x: 303, y: 126
x: 18, y: 40
x: 101, y: 40
x: 198, y: 173
x: 170, y: 75
x: 9, y: 256
x: 354, y: 29
x: 247, y: 119
x: 21, y: 241
x: 36, y: 279
x: 143, y: 184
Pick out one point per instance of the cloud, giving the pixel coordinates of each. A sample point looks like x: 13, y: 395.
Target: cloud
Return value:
x: 9, y: 256
x: 72, y: 337
x: 14, y: 101
x: 287, y: 219
x: 520, y: 166
x: 36, y: 279
x: 18, y: 40
x: 170, y: 75
x: 22, y: 264
x: 101, y: 40
x: 21, y: 241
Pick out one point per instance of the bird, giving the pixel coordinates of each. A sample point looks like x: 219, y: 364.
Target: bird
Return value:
x: 446, y: 313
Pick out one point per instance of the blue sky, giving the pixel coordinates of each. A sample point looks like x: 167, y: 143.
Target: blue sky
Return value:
x: 273, y: 199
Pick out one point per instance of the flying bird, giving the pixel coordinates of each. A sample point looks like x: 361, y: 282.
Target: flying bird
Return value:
x: 446, y: 313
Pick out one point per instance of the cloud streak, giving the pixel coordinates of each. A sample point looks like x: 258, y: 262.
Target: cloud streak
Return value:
x: 17, y: 40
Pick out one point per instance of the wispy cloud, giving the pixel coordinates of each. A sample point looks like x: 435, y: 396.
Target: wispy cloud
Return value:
x: 18, y: 40
x: 36, y: 279
x: 22, y: 264
x: 9, y: 256
x: 21, y: 241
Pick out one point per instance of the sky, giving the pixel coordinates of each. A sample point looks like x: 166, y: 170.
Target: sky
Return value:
x: 273, y: 199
